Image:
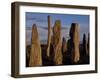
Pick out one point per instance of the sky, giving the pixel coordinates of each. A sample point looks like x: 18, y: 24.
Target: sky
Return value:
x: 40, y: 19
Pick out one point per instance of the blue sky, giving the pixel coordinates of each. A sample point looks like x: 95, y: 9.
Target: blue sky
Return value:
x: 40, y: 19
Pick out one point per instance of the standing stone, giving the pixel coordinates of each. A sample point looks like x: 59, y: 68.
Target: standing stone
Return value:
x: 88, y: 44
x: 84, y: 45
x: 57, y: 43
x: 49, y: 37
x: 28, y: 47
x: 64, y: 50
x: 74, y: 35
x: 64, y: 45
x: 35, y: 54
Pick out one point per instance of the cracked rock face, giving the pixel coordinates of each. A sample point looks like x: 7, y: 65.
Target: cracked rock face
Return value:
x: 35, y: 53
x: 57, y: 43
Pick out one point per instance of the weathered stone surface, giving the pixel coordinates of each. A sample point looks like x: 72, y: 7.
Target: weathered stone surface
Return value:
x: 35, y: 53
x: 57, y: 43
x: 76, y: 39
x: 49, y: 37
x: 74, y: 43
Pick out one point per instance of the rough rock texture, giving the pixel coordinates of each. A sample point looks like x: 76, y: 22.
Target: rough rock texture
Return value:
x: 35, y: 53
x: 57, y: 43
x: 74, y: 43
x: 76, y: 39
x: 49, y: 37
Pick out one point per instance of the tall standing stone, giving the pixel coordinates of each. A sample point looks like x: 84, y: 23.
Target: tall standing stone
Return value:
x: 88, y: 44
x: 49, y: 37
x: 84, y: 45
x: 74, y: 35
x: 35, y: 54
x: 57, y: 43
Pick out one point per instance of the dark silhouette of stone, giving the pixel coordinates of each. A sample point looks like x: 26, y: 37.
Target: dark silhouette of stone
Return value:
x: 64, y: 50
x: 85, y: 54
x: 28, y: 47
x: 88, y: 44
x: 84, y: 45
x: 64, y: 45
x: 73, y: 55
x: 35, y: 53
x: 47, y: 60
x: 57, y: 43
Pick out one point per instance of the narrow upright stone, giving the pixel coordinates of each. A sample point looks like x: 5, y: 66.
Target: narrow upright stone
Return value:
x: 49, y: 37
x: 35, y: 53
x: 74, y: 34
x: 85, y: 52
x: 64, y: 50
x: 88, y: 44
x: 57, y: 43
x: 64, y: 46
